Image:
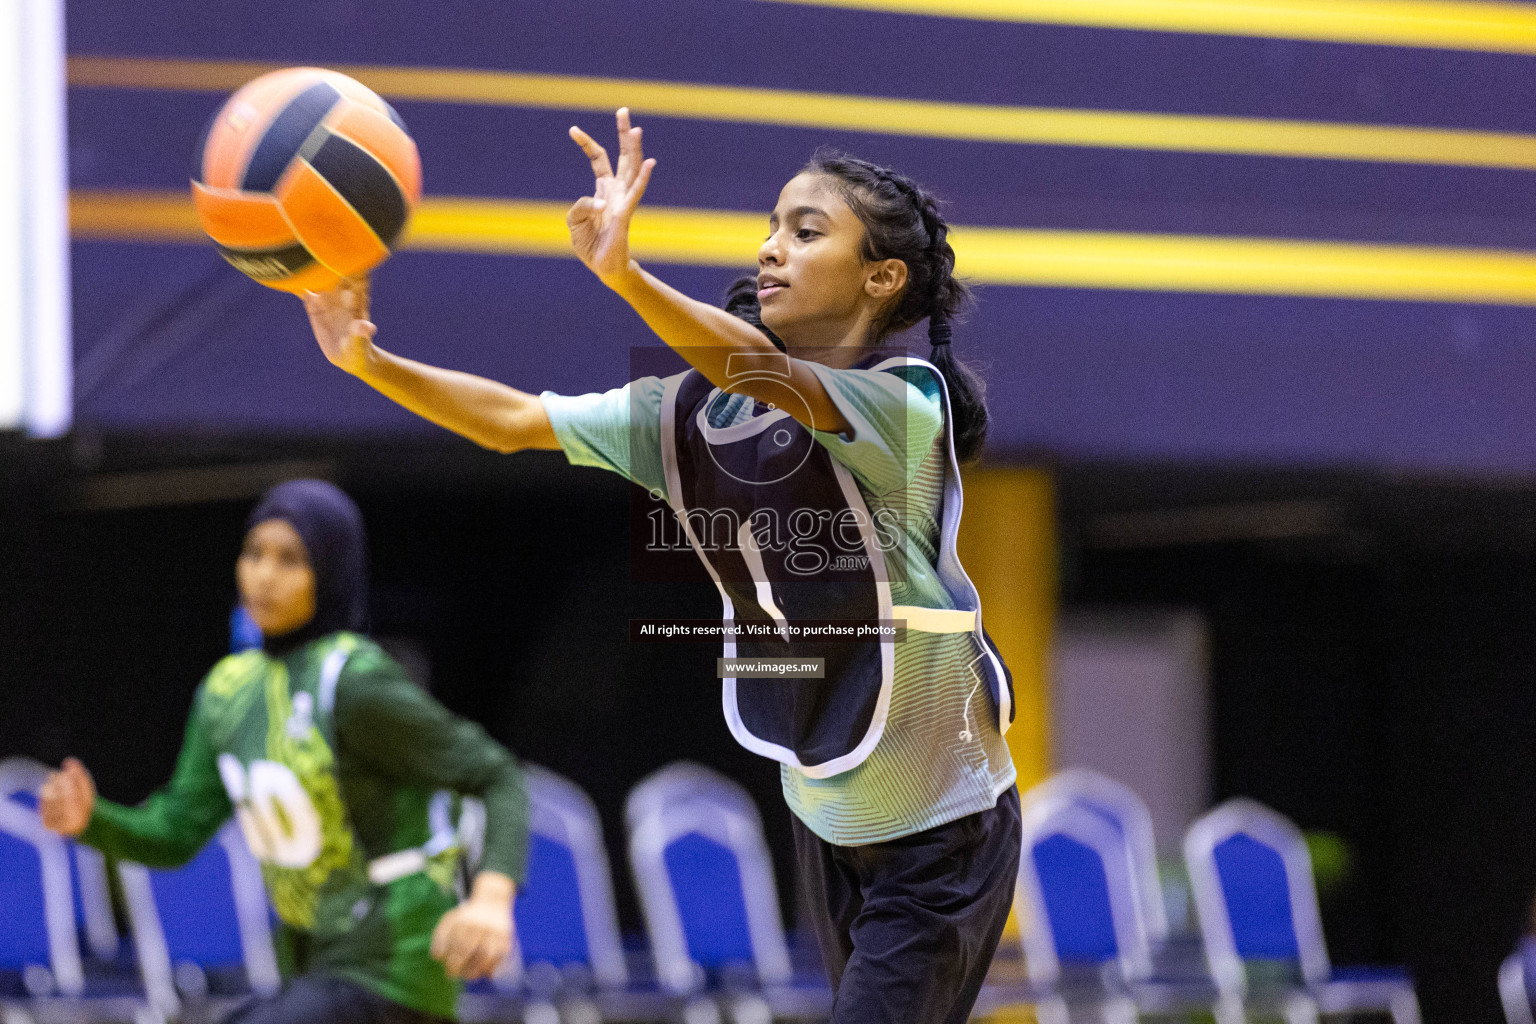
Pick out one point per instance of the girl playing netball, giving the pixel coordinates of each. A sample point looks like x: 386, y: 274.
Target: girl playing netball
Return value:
x: 338, y: 768
x: 905, y: 812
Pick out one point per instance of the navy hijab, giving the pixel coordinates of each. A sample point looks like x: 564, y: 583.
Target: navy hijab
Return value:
x: 331, y: 527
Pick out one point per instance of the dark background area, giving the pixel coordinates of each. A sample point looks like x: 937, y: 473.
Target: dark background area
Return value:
x: 1373, y: 649
x: 1373, y: 661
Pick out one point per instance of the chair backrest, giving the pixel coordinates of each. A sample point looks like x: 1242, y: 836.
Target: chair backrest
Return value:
x: 21, y: 779
x: 1513, y: 991
x: 22, y: 775
x: 1125, y: 810
x: 244, y: 634
x: 565, y: 913
x: 1076, y: 893
x: 684, y: 782
x: 211, y: 913
x: 1251, y: 877
x: 37, y: 921
x: 704, y: 876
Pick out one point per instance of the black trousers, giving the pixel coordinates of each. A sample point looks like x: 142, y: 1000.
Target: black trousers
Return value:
x: 908, y: 927
x: 321, y: 999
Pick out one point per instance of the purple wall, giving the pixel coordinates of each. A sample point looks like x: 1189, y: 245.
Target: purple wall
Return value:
x: 169, y: 338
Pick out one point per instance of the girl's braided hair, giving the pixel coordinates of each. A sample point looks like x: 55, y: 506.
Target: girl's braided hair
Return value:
x: 902, y: 222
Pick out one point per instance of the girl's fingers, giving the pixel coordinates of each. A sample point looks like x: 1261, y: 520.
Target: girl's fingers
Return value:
x: 485, y: 963
x: 460, y: 952
x: 641, y: 181
x: 598, y: 156
x: 446, y: 936
x: 623, y: 172
x: 354, y: 296
x: 71, y: 786
x: 317, y: 305
x: 500, y: 946
x: 584, y: 209
x: 439, y: 948
x: 459, y: 965
x: 485, y: 956
x: 66, y: 798
x: 636, y: 156
x: 629, y: 148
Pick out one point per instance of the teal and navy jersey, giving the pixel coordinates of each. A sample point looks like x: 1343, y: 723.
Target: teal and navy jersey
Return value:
x: 941, y: 755
x: 331, y: 759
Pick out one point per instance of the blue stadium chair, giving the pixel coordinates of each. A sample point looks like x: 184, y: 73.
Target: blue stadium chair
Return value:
x: 1514, y: 983
x: 565, y: 914
x: 1094, y: 929
x: 706, y: 887
x: 566, y: 935
x: 681, y: 782
x: 21, y: 779
x: 1119, y: 805
x: 206, y: 919
x: 1252, y: 881
x: 1085, y: 940
x: 38, y: 941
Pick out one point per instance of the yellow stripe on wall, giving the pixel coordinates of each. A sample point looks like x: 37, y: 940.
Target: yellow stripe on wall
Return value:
x: 1253, y: 266
x: 1444, y: 25
x: 1005, y: 256
x: 1045, y: 126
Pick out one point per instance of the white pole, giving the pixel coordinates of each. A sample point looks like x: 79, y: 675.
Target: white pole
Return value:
x: 49, y: 391
x: 12, y: 245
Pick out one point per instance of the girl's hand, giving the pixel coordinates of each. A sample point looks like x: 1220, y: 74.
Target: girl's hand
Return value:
x: 67, y: 799
x: 474, y: 938
x: 340, y: 320
x: 599, y: 223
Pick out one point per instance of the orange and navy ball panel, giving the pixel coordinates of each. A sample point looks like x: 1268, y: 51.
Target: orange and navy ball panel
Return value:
x: 269, y: 264
x: 333, y: 164
x: 224, y: 151
x: 286, y: 135
x: 290, y: 270
x: 360, y: 180
x: 241, y: 220
x: 325, y: 222
x: 382, y: 134
x: 242, y: 121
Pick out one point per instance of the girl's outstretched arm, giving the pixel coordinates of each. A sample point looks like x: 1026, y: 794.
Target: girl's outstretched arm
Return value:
x: 489, y: 413
x: 707, y: 336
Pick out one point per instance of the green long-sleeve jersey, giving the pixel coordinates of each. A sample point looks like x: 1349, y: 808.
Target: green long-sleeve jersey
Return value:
x: 331, y: 759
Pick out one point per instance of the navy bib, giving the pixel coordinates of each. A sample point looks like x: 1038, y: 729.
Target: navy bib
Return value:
x: 788, y: 538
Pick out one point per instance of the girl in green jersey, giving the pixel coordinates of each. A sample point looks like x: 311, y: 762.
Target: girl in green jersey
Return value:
x: 331, y: 760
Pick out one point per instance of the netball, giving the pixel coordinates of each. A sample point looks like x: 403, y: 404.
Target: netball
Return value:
x: 306, y: 177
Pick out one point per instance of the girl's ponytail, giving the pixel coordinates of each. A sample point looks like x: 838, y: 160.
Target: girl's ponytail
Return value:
x: 946, y: 297
x: 967, y: 404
